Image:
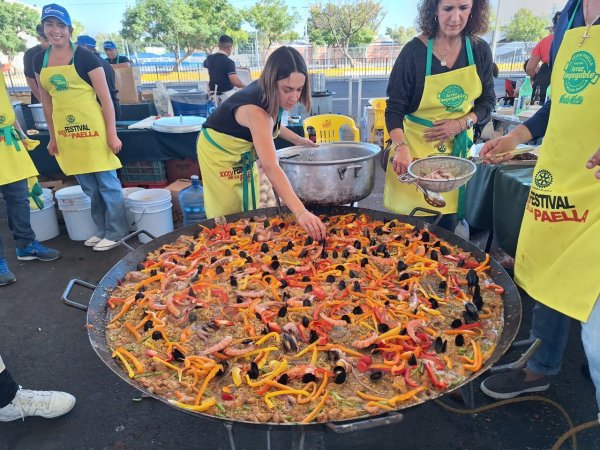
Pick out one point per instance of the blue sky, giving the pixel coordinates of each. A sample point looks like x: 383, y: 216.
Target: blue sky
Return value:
x: 105, y: 15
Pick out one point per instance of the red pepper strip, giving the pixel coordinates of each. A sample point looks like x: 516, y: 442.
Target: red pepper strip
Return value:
x: 437, y: 383
x: 302, y: 332
x: 221, y: 294
x: 497, y: 288
x: 317, y: 311
x: 471, y: 263
x: 362, y: 366
x: 439, y: 364
x: 318, y: 292
x: 407, y: 378
x: 228, y: 397
x: 452, y: 258
x: 469, y: 326
x: 442, y: 269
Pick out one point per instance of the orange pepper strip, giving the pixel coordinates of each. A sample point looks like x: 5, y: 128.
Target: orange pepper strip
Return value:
x: 317, y: 409
x: 138, y: 336
x: 130, y: 371
x: 149, y: 280
x: 139, y: 367
x: 477, y: 357
x: 209, y: 377
x: 380, y: 406
x: 312, y: 388
x: 484, y: 264
x: 124, y: 309
x: 403, y: 397
x: 370, y: 397
x: 467, y: 332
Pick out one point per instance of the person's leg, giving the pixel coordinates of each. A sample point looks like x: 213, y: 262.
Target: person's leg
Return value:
x: 590, y: 335
x: 111, y: 194
x: 89, y: 186
x: 8, y: 387
x: 17, y: 209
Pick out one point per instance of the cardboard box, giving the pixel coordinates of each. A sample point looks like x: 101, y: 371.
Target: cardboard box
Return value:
x: 178, y: 169
x: 176, y: 187
x: 127, y: 80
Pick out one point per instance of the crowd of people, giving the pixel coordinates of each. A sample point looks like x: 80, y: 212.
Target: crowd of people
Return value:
x: 440, y: 87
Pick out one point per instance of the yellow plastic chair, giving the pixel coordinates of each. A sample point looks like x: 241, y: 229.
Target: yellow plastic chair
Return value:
x: 379, y: 103
x: 327, y: 127
x: 379, y: 122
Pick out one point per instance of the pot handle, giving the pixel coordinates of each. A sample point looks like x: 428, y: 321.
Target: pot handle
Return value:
x: 342, y: 171
x: 407, y: 178
x: 437, y: 214
x: 366, y: 424
x: 134, y: 234
x: 65, y: 296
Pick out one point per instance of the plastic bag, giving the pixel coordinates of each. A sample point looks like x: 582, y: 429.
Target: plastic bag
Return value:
x: 462, y: 230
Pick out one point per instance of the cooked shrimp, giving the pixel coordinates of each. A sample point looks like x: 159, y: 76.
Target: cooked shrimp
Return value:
x: 229, y: 351
x: 364, y: 343
x: 224, y: 343
x: 334, y: 322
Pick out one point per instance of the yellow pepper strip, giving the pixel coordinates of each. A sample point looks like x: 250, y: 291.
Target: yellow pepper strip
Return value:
x: 270, y: 395
x: 312, y: 388
x: 346, y: 350
x: 305, y: 350
x: 124, y: 309
x: 366, y: 325
x: 370, y: 397
x: 270, y: 376
x: 317, y: 409
x: 170, y: 366
x: 392, y: 332
x: 236, y: 376
x: 403, y: 397
x: 209, y: 377
x: 139, y: 367
x: 138, y: 336
x: 448, y: 362
x: 157, y: 277
x: 477, y: 357
x: 380, y: 406
x: 197, y: 408
x: 433, y: 312
x: 267, y: 350
x: 315, y: 355
x: 130, y: 371
x: 267, y: 336
x: 283, y: 387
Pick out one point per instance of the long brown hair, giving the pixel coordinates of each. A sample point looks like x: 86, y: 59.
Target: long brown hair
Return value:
x: 280, y: 65
x: 477, y: 24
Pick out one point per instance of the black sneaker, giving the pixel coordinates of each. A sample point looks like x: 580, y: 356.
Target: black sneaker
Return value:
x: 512, y: 383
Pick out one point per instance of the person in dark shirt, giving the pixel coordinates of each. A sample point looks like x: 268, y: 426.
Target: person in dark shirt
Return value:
x: 28, y: 63
x: 113, y: 57
x: 89, y: 43
x: 221, y: 70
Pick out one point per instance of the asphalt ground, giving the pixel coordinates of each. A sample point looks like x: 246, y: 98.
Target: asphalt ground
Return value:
x: 45, y: 346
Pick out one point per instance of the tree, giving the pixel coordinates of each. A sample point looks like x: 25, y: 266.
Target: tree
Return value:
x: 345, y: 23
x: 525, y: 26
x: 272, y: 19
x: 15, y: 20
x: 401, y: 35
x: 78, y: 28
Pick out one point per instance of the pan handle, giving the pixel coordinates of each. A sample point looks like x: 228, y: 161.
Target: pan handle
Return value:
x: 69, y: 288
x: 437, y: 214
x: 390, y: 419
x: 134, y: 234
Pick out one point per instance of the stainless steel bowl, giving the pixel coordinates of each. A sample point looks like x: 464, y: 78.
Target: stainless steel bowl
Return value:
x: 334, y: 173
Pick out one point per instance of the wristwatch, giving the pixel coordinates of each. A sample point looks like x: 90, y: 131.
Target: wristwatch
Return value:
x: 469, y: 122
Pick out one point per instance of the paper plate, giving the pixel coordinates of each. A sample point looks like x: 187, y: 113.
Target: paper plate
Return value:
x: 179, y: 124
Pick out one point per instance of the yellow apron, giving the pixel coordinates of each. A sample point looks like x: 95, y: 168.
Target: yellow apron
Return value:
x: 15, y: 163
x: 79, y: 127
x: 558, y: 248
x: 447, y: 95
x: 229, y: 176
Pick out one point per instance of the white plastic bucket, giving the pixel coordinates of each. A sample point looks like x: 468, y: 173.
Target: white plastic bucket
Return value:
x: 76, y: 208
x: 126, y: 193
x: 43, y: 221
x: 151, y: 210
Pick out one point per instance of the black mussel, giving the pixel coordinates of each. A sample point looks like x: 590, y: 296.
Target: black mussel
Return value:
x: 195, y: 278
x: 472, y: 310
x: 373, y: 349
x: 434, y: 255
x: 255, y: 237
x: 333, y: 355
x: 365, y: 251
x: 346, y: 233
x: 478, y: 302
x: 308, y: 377
x: 330, y: 279
x: 425, y: 236
x: 157, y: 336
x: 233, y: 281
x: 386, y: 303
x: 381, y: 248
x: 456, y: 323
x: 335, y: 254
x: 153, y: 272
x: 139, y: 296
x: 342, y: 285
x: 403, y: 332
x: 403, y: 277
x: 345, y: 253
x: 264, y: 331
x: 437, y: 244
x: 247, y: 341
x: 308, y: 289
x: 306, y: 302
x: 324, y: 254
x: 219, y: 270
x: 340, y: 376
x: 472, y: 278
x: 177, y: 355
x: 468, y: 318
x: 376, y: 376
x: 412, y: 361
x: 290, y: 271
x: 303, y: 253
x: 232, y: 232
x: 340, y: 267
x: 346, y: 317
x: 406, y: 243
x: 444, y: 250
x: 434, y: 303
x: 353, y: 274
x: 289, y: 343
x: 140, y: 267
x: 192, y: 317
x: 239, y: 299
x: 313, y: 336
x: 275, y: 265
x: 149, y: 324
x: 460, y: 263
x: 378, y: 231
x: 276, y: 229
x: 459, y: 340
x: 227, y: 252
x: 443, y: 285
x: 257, y: 315
x: 264, y: 247
x: 274, y: 258
x: 440, y: 345
x: 290, y: 245
x: 357, y: 245
x: 266, y: 224
x: 356, y: 287
x: 383, y: 327
x: 282, y: 311
x: 357, y: 310
x: 401, y: 266
x: 253, y: 373
x: 309, y: 241
x: 213, y: 259
x: 305, y: 279
x: 392, y: 224
x: 213, y: 325
x: 247, y: 229
x: 284, y: 283
x: 386, y: 254
x: 364, y: 262
x: 285, y: 295
x: 305, y: 321
x: 283, y: 379
x: 142, y: 289
x: 249, y: 259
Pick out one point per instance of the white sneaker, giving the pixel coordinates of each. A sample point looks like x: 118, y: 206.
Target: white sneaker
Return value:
x: 92, y: 241
x: 105, y: 244
x: 46, y: 404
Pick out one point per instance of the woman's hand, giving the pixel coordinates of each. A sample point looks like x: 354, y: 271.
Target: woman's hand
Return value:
x: 493, y: 147
x: 312, y: 224
x: 114, y: 143
x: 52, y: 147
x: 443, y: 130
x: 594, y: 162
x: 305, y: 142
x: 402, y: 159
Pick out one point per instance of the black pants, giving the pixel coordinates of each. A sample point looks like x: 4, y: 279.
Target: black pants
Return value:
x: 8, y: 388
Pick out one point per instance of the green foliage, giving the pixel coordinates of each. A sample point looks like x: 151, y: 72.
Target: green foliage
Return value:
x: 78, y: 28
x: 272, y: 19
x: 15, y: 19
x: 525, y: 26
x: 401, y: 35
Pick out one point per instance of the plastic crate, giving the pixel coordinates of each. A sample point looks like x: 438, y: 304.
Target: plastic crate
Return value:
x: 144, y: 171
x: 147, y: 185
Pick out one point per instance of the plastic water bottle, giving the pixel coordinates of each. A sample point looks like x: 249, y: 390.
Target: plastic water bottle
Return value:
x: 548, y: 93
x: 524, y: 99
x: 191, y: 200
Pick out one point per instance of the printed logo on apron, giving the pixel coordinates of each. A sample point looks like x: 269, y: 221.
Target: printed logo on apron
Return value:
x: 452, y: 97
x: 580, y: 72
x: 235, y: 173
x: 2, y: 119
x: 59, y: 82
x: 77, y: 130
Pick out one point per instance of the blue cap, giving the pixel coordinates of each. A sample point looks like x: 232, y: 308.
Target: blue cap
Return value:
x: 58, y: 12
x: 86, y: 40
x: 110, y: 45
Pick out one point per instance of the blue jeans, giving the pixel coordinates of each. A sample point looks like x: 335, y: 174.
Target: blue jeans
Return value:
x: 108, y: 204
x: 8, y: 387
x: 16, y: 201
x: 590, y: 335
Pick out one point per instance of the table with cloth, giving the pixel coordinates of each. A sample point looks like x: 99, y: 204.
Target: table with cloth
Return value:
x: 495, y: 201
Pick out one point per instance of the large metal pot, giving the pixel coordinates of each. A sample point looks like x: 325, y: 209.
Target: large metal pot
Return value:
x: 38, y: 116
x: 317, y: 82
x: 335, y: 173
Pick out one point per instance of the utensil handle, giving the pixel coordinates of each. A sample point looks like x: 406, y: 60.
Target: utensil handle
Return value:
x: 406, y: 178
x: 390, y: 419
x: 437, y: 214
x: 342, y: 171
x: 134, y: 234
x: 65, y: 296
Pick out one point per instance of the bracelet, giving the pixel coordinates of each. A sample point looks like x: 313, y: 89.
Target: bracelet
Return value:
x: 400, y: 144
x: 300, y: 214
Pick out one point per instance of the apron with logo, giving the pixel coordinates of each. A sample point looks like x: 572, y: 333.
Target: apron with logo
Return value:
x: 15, y: 163
x: 229, y: 176
x: 558, y: 248
x: 447, y: 95
x: 79, y: 127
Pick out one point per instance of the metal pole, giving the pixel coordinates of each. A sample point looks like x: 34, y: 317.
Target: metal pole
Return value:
x: 496, y: 29
x: 359, y: 101
x: 350, y: 95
